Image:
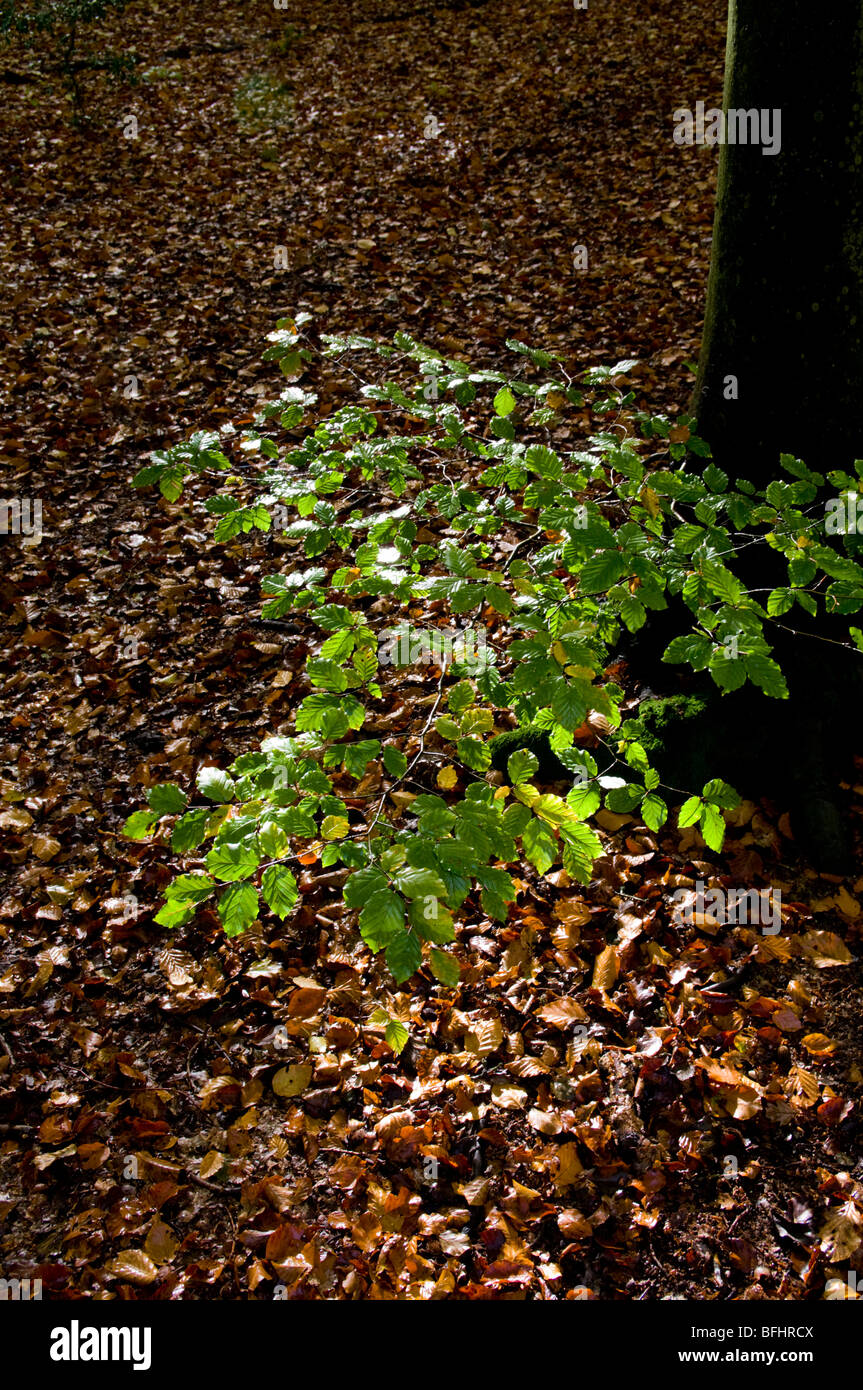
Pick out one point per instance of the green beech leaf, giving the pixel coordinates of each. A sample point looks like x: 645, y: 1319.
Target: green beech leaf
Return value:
x: 139, y: 826
x: 728, y: 672
x: 553, y: 809
x: 521, y: 765
x: 432, y: 920
x: 601, y: 571
x: 474, y: 754
x: 231, y: 862
x: 358, y: 755
x: 396, y: 1035
x: 689, y: 812
x: 444, y: 967
x: 764, y: 672
x: 238, y: 907
x: 166, y: 799
x: 540, y: 846
x: 335, y: 827
x: 403, y: 956
x: 568, y: 706
x: 295, y: 822
x: 395, y: 762
x: 279, y: 890
x: 584, y: 800
x: 721, y: 794
x: 691, y: 647
x: 712, y: 826
x: 382, y: 919
x: 175, y: 914
x: 362, y: 884
x: 190, y: 888
x: 327, y: 675
x: 723, y: 583
x: 779, y: 602
x: 215, y: 784
x: 580, y: 848
x: 419, y: 883
x: 620, y: 800
x: 273, y: 840
x: 190, y: 830
x: 654, y: 811
x: 447, y: 728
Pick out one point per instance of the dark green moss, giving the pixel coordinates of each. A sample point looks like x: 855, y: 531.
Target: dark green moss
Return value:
x: 550, y: 769
x: 683, y: 737
x: 659, y: 720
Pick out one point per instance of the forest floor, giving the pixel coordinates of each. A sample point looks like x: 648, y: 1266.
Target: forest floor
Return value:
x: 428, y: 167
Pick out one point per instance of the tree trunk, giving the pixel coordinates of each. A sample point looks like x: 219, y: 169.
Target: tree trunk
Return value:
x: 781, y: 367
x: 784, y: 322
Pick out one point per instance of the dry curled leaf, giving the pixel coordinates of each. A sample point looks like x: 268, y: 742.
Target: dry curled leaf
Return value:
x: 606, y: 968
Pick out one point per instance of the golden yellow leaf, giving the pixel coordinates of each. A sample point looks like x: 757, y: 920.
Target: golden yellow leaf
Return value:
x: 454, y: 1242
x: 292, y: 1081
x: 722, y: 1075
x: 840, y: 1235
x: 45, y: 847
x: 212, y: 1164
x: 847, y: 905
x: 569, y: 1165
x: 803, y: 1088
x: 818, y: 1045
x: 474, y: 1192
x: 161, y: 1243
x: 650, y: 501
x: 705, y: 922
x: 527, y: 1066
x: 742, y: 1105
x: 393, y: 1122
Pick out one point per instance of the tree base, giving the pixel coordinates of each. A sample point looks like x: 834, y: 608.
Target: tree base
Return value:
x: 794, y: 751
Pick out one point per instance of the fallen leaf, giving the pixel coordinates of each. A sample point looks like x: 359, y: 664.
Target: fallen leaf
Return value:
x: 133, y: 1266
x: 293, y: 1080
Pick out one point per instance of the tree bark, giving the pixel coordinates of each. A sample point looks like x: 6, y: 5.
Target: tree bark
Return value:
x: 784, y: 318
